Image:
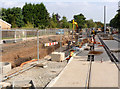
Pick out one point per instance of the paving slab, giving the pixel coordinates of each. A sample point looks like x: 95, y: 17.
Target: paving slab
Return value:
x: 74, y: 74
x: 104, y: 74
x: 112, y: 44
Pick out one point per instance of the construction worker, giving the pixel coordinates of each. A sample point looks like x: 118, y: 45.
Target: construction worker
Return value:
x: 71, y: 54
x: 69, y: 42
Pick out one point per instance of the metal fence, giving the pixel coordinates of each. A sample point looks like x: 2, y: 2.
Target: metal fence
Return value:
x: 24, y: 34
x: 29, y: 43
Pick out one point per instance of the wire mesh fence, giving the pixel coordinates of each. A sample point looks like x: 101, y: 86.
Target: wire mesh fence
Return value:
x: 24, y: 34
x: 26, y: 45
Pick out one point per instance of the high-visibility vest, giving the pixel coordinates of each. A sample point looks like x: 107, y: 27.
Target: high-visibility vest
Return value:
x: 93, y: 32
x: 71, y: 53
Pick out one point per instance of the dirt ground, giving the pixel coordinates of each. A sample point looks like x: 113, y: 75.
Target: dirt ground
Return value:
x: 17, y: 53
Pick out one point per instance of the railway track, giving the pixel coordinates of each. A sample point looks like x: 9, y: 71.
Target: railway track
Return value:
x: 110, y: 54
x: 116, y: 39
x: 87, y: 84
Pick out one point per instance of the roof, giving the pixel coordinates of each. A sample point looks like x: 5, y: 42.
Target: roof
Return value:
x: 5, y: 22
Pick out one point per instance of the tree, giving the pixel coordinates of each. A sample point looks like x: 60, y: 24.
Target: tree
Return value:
x: 80, y: 19
x: 54, y: 18
x: 57, y: 17
x: 3, y: 14
x: 13, y: 16
x: 42, y: 15
x: 19, y: 17
x: 27, y: 12
x: 99, y: 24
x: 64, y: 22
x: 115, y: 22
x: 53, y: 24
x: 90, y: 23
x: 36, y: 14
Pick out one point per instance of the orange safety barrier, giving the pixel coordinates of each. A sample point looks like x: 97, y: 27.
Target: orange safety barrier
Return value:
x: 98, y: 42
x: 100, y: 45
x: 28, y: 62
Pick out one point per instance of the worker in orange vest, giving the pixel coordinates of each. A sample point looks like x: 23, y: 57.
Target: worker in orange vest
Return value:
x: 71, y: 54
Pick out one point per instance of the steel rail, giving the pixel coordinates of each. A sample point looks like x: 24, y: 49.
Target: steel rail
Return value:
x: 110, y: 54
x: 87, y: 84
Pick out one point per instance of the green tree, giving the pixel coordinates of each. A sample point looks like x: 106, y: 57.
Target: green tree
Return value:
x: 115, y: 22
x: 3, y: 14
x: 99, y: 24
x: 36, y: 14
x: 64, y: 22
x: 13, y: 16
x: 53, y: 24
x: 90, y: 23
x: 80, y: 19
x: 42, y: 16
x: 54, y: 18
x: 27, y: 12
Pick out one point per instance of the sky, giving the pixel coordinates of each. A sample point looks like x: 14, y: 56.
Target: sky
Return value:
x: 91, y: 9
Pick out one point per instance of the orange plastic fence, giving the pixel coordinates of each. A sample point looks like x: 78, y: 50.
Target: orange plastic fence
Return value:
x: 28, y: 62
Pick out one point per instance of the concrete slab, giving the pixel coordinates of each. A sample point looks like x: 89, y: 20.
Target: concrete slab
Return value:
x: 104, y: 74
x: 57, y: 56
x: 104, y: 56
x: 74, y: 74
x: 112, y: 44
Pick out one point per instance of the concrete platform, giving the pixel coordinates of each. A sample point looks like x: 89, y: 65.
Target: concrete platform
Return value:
x: 74, y: 75
x: 112, y: 44
x: 104, y: 74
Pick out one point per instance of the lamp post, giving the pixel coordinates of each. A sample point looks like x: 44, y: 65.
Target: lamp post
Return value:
x: 118, y: 14
x: 104, y: 19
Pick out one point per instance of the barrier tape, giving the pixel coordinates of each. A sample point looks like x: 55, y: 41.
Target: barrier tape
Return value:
x: 50, y: 44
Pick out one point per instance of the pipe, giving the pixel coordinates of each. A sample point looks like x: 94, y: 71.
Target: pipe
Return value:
x: 28, y: 62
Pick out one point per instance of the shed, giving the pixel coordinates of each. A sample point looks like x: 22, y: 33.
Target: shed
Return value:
x: 4, y: 25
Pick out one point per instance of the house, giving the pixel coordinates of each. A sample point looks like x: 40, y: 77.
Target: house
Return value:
x: 4, y: 25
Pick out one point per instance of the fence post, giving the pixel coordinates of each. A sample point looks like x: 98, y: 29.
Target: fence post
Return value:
x: 61, y: 41
x: 38, y: 45
x: 25, y: 34
x: 15, y: 36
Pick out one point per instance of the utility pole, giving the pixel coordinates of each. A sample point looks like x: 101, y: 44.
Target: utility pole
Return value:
x: 118, y: 14
x: 104, y: 19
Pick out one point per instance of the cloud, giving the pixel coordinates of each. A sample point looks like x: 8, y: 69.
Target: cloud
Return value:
x: 12, y: 4
x: 60, y: 0
x: 91, y: 10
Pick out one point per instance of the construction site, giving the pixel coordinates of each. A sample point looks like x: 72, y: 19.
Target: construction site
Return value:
x: 46, y: 60
x: 41, y: 50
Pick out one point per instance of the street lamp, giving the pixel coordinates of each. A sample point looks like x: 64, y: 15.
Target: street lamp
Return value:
x: 104, y: 19
x: 118, y: 14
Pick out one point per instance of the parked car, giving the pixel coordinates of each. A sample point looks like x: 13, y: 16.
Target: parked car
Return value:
x: 60, y: 31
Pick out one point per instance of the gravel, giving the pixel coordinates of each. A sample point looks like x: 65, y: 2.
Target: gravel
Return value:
x: 40, y: 76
